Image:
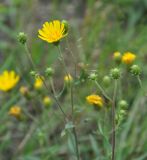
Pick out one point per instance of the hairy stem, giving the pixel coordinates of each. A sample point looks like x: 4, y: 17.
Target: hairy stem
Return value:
x: 113, y: 120
x: 72, y: 102
x: 102, y: 90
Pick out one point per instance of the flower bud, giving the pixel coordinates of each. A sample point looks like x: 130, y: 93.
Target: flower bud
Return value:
x: 122, y: 112
x: 106, y: 81
x: 22, y: 37
x: 47, y: 101
x: 117, y: 57
x: 15, y: 111
x: 115, y: 73
x: 38, y: 84
x: 93, y: 76
x: 66, y: 26
x: 135, y: 70
x: 68, y: 79
x: 49, y: 71
x: 33, y: 73
x: 123, y: 104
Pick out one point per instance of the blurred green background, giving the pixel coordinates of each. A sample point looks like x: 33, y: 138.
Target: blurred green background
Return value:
x: 97, y: 29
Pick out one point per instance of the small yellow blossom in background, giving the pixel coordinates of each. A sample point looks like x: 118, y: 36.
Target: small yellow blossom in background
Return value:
x: 47, y: 101
x: 68, y: 78
x: 116, y: 54
x: 15, y: 111
x: 38, y: 84
x: 8, y: 80
x: 95, y: 100
x: 23, y: 90
x: 52, y: 31
x: 128, y: 58
x: 117, y: 57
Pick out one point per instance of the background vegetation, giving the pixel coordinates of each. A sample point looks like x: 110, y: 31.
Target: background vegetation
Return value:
x: 97, y: 29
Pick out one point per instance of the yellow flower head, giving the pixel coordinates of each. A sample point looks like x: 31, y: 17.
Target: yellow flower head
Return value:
x: 68, y: 78
x: 38, y: 84
x: 15, y: 111
x: 128, y: 58
x: 52, y: 31
x: 47, y: 101
x: 8, y: 80
x: 95, y: 100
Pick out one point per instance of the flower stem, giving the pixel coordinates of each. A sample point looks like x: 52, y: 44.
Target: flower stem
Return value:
x: 72, y: 103
x: 102, y: 90
x: 74, y: 59
x: 29, y: 56
x: 139, y: 80
x: 113, y: 120
x: 44, y: 83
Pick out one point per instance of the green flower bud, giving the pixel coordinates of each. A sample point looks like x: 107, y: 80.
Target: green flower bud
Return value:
x: 135, y: 70
x: 66, y: 26
x: 93, y: 76
x: 33, y: 73
x: 22, y: 37
x: 106, y: 81
x: 122, y: 113
x: 49, y: 71
x: 115, y: 73
x: 123, y: 104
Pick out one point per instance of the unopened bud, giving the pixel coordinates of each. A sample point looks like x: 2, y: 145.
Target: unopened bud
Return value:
x: 123, y: 104
x: 93, y: 76
x: 22, y: 37
x: 106, y: 81
x: 135, y: 70
x: 49, y: 71
x: 115, y: 73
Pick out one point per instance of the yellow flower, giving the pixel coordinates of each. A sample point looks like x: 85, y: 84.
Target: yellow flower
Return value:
x: 128, y: 58
x: 95, y: 100
x: 68, y: 78
x: 52, y: 31
x: 38, y: 84
x: 8, y: 80
x: 47, y: 101
x: 15, y: 111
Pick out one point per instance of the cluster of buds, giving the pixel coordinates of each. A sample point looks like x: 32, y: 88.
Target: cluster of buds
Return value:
x: 123, y: 105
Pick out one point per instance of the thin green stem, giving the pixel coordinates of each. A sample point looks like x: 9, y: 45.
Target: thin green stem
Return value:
x: 74, y: 59
x: 44, y: 83
x: 62, y: 60
x: 102, y: 90
x: 72, y: 102
x: 76, y: 140
x: 113, y: 120
x: 139, y: 80
x: 29, y: 56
